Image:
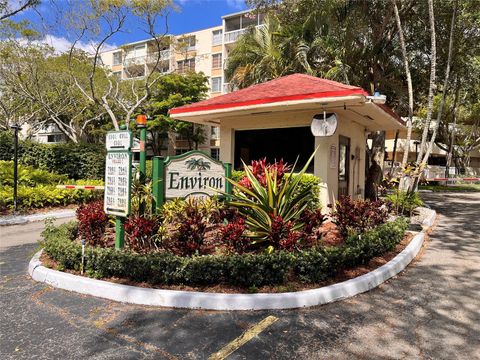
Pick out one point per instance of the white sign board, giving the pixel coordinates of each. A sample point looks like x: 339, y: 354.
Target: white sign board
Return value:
x: 117, y: 183
x: 194, y: 175
x: 119, y: 140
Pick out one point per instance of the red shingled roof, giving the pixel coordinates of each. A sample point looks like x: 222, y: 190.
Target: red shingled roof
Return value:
x: 287, y: 88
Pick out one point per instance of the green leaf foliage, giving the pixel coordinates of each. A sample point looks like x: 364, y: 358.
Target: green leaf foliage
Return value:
x: 76, y: 161
x: 244, y: 270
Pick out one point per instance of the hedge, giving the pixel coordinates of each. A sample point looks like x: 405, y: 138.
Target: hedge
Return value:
x: 77, y: 161
x: 245, y: 270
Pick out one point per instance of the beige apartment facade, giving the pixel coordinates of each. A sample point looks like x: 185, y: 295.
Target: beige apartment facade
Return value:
x: 201, y: 51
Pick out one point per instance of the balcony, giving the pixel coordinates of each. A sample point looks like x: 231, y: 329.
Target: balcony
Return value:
x: 151, y: 58
x: 232, y: 36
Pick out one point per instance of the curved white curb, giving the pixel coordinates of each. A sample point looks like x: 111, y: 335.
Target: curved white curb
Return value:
x: 216, y: 301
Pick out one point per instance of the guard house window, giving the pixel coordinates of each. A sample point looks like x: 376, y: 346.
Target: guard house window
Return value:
x: 216, y: 61
x: 215, y: 153
x: 186, y: 65
x: 117, y: 58
x: 216, y: 37
x: 216, y: 84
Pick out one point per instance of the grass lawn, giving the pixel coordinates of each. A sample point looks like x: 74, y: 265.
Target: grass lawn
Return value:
x: 452, y: 188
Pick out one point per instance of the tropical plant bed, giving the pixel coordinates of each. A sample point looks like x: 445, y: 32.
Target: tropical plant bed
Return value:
x: 278, y: 271
x: 342, y: 274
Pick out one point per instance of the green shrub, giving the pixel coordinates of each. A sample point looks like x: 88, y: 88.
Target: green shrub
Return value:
x: 77, y: 161
x: 404, y: 202
x: 28, y: 176
x: 245, y: 270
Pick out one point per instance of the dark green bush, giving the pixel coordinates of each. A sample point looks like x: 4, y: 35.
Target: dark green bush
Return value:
x: 244, y: 270
x: 77, y: 161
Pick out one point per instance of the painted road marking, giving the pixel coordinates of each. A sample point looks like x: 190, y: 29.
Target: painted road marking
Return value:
x: 243, y: 339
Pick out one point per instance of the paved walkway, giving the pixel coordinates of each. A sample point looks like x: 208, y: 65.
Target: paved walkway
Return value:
x: 432, y: 311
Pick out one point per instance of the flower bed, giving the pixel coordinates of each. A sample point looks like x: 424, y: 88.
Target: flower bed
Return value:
x: 268, y: 232
x: 244, y: 270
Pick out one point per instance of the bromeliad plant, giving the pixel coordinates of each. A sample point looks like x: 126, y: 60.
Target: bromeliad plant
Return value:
x: 269, y: 200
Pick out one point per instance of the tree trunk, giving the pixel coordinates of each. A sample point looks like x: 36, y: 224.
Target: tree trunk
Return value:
x: 452, y: 132
x: 445, y: 86
x: 431, y: 88
x: 394, y: 153
x: 375, y: 171
x: 408, y: 75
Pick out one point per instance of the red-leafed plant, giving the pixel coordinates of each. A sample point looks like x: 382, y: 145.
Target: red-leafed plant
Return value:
x: 258, y: 168
x: 140, y: 233
x: 231, y: 235
x: 92, y: 222
x: 357, y: 216
x: 191, y: 225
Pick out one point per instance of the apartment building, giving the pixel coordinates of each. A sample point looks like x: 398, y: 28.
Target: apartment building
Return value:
x: 201, y: 51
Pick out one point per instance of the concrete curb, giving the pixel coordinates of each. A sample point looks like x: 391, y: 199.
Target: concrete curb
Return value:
x: 218, y: 301
x: 18, y: 220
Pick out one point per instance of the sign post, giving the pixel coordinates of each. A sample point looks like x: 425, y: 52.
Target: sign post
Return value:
x: 118, y: 178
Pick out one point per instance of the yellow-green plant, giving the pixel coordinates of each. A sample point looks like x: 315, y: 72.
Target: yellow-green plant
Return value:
x: 265, y: 206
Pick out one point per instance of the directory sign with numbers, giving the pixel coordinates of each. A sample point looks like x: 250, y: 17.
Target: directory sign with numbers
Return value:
x: 117, y: 183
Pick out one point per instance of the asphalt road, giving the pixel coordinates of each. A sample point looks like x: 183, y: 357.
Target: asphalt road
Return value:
x: 431, y: 311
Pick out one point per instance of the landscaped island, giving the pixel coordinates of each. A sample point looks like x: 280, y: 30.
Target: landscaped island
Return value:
x: 269, y: 232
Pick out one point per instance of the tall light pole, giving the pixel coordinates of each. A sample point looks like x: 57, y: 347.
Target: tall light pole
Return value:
x: 16, y: 128
x: 141, y: 122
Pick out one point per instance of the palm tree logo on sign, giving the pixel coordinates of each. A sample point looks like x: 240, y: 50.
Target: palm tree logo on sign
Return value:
x: 198, y: 164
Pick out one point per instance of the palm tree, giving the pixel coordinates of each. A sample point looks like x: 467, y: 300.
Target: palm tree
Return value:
x: 258, y: 56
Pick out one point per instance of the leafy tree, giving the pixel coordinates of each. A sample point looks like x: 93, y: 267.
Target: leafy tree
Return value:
x: 96, y: 22
x: 36, y: 88
x: 171, y: 91
x: 11, y: 8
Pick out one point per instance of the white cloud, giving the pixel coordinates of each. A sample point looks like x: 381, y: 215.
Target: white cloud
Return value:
x: 235, y: 4
x: 61, y: 44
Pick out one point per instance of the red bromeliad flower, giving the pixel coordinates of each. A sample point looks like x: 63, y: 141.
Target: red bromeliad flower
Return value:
x: 259, y: 167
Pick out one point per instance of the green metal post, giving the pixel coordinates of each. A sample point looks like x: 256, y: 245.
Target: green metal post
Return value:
x: 158, y: 174
x: 143, y: 162
x: 119, y: 232
x: 228, y: 174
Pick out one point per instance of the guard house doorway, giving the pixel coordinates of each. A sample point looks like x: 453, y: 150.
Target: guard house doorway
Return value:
x: 275, y: 144
x: 343, y: 165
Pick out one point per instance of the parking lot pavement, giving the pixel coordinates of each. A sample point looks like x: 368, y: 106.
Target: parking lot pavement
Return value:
x: 431, y: 311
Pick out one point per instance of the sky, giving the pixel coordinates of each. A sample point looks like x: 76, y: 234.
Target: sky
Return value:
x: 192, y: 15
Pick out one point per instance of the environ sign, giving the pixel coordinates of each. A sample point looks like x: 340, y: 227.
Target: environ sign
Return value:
x: 117, y: 183
x: 193, y: 174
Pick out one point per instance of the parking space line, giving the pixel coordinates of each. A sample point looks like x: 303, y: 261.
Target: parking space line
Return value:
x: 243, y: 339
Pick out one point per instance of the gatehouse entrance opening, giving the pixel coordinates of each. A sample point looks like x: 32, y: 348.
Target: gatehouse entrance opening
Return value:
x: 275, y: 144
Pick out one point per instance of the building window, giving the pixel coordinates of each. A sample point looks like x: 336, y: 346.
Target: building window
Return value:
x: 54, y: 138
x: 187, y: 43
x: 117, y: 58
x: 180, y: 151
x: 215, y: 153
x: 186, y: 65
x: 217, y: 37
x: 216, y: 84
x: 215, y: 133
x: 117, y: 75
x: 216, y: 61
